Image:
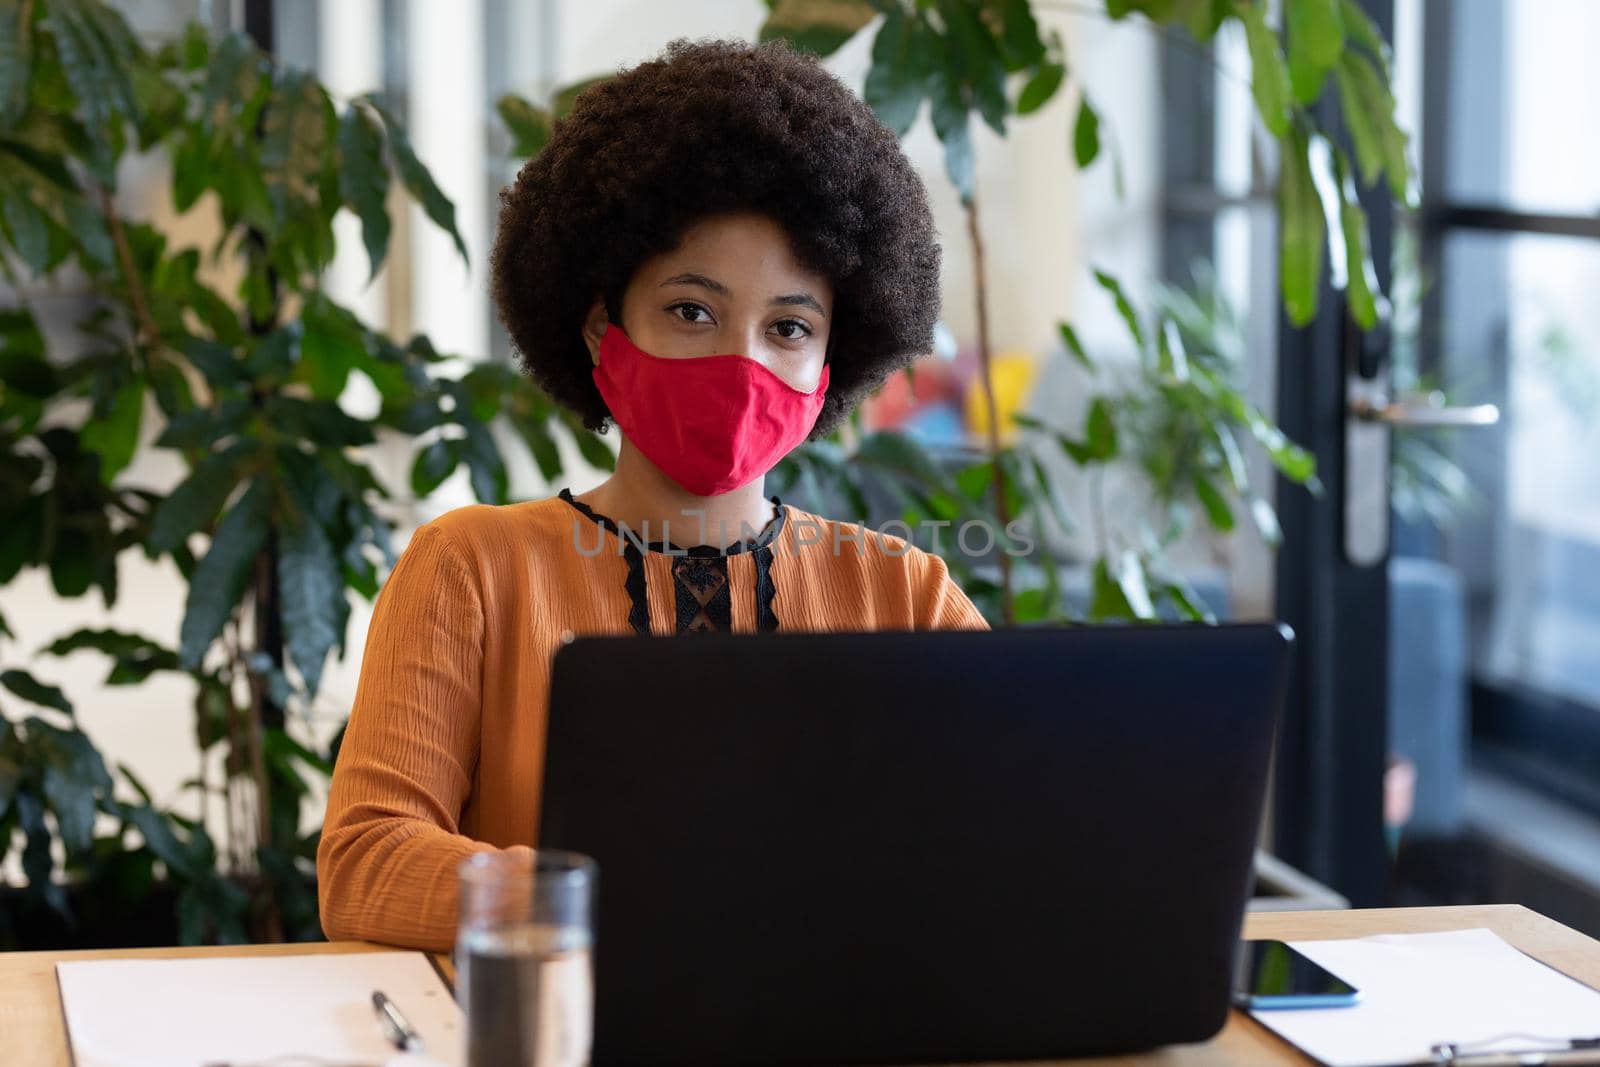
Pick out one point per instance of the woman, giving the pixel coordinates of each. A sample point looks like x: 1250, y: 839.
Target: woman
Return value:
x: 721, y: 251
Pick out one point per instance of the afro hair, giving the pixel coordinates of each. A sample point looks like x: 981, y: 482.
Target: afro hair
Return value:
x: 708, y: 128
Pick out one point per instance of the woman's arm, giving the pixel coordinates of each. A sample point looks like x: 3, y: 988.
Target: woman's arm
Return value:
x: 946, y: 606
x: 386, y: 864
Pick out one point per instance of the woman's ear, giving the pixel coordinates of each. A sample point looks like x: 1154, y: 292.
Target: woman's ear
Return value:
x: 594, y: 328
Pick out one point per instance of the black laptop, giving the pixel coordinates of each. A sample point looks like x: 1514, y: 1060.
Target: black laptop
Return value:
x: 912, y: 847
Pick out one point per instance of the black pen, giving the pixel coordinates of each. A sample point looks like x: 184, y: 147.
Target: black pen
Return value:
x: 395, y: 1027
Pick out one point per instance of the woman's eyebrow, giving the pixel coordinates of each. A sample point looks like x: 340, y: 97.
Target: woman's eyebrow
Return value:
x: 800, y: 300
x: 691, y: 278
x: 787, y: 300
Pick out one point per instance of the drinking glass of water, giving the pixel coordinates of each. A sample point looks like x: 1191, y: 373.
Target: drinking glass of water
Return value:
x: 523, y: 972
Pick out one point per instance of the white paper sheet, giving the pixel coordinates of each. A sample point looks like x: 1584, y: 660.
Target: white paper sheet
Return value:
x: 1466, y: 986
x: 249, y: 1010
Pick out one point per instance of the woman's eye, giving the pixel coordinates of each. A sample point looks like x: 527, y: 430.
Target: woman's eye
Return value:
x: 688, y: 311
x: 802, y: 330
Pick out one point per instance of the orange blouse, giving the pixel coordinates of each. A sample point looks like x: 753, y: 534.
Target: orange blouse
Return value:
x: 444, y: 752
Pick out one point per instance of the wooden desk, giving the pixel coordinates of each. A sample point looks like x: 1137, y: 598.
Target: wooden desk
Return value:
x: 31, y: 1029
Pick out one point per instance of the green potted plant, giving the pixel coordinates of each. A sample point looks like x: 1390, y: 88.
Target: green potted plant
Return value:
x: 280, y: 517
x: 989, y: 62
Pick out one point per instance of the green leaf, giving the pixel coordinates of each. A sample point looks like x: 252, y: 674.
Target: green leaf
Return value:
x: 1266, y: 521
x: 535, y: 433
x: 593, y: 449
x: 1269, y: 74
x: 566, y: 98
x: 530, y: 126
x: 1086, y: 134
x: 73, y: 774
x: 1294, y: 462
x: 1316, y: 41
x: 191, y: 170
x: 1038, y: 90
x: 1122, y: 594
x: 115, y: 435
x: 204, y: 427
x: 434, y: 464
x: 16, y: 61
x: 1369, y: 113
x: 221, y: 576
x: 1232, y: 456
x: 333, y: 343
x: 77, y: 556
x: 88, y: 228
x: 314, y: 605
x: 1361, y: 277
x: 218, y: 362
x: 976, y: 61
x: 1172, y: 356
x: 1070, y: 338
x: 1189, y: 604
x: 1031, y: 605
x: 135, y: 658
x: 974, y: 479
x: 197, y: 499
x: 38, y: 865
x: 320, y: 421
x: 1360, y: 123
x: 416, y: 178
x: 213, y: 711
x: 31, y: 689
x: 364, y: 181
x: 1020, y: 43
x: 21, y: 537
x: 294, y: 140
x: 485, y: 467
x: 819, y: 27
x: 902, y: 456
x: 894, y: 83
x: 272, y: 357
x: 1303, y: 229
x: 27, y: 227
x: 172, y: 389
x: 1128, y: 572
x: 1101, y: 431
x: 1205, y: 17
x: 1124, y: 305
x: 10, y: 776
x: 98, y: 81
x: 959, y: 163
x: 1154, y: 10
x: 1214, y: 503
x: 1360, y: 28
x: 1100, y: 436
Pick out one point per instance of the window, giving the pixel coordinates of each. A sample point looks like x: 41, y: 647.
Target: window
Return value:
x: 1510, y: 255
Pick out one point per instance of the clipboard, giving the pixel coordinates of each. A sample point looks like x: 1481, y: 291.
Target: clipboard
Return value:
x: 196, y: 1012
x: 1462, y: 997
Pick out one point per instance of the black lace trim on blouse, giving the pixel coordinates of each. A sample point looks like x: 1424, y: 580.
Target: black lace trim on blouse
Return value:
x: 702, y: 595
x: 704, y: 602
x: 638, y: 602
x: 766, y: 619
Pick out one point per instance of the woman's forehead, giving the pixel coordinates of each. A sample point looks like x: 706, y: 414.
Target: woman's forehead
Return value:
x: 736, y: 255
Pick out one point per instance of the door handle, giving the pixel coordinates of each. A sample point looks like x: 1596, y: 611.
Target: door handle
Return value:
x: 1427, y: 411
x: 1373, y: 415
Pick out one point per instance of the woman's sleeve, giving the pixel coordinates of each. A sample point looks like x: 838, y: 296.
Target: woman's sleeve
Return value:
x: 386, y: 863
x: 946, y: 606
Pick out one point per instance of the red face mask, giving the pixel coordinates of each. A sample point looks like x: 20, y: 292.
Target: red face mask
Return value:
x: 712, y: 423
